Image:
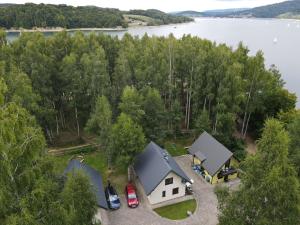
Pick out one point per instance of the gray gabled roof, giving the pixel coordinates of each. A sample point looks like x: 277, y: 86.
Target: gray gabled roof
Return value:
x: 153, y: 165
x: 213, y: 154
x: 94, y: 177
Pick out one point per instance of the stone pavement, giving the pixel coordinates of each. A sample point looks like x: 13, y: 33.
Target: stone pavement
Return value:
x: 205, y: 214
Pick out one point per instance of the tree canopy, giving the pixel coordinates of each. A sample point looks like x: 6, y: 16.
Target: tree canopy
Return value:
x: 31, y: 15
x: 31, y: 193
x: 59, y: 78
x: 269, y: 193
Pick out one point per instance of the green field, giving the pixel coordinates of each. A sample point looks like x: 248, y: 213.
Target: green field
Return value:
x: 177, y: 211
x: 141, y: 18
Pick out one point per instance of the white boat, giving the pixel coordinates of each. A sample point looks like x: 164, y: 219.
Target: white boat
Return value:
x: 275, y: 40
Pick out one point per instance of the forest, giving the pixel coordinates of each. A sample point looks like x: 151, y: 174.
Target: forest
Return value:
x: 127, y: 91
x: 32, y: 15
x: 173, y: 84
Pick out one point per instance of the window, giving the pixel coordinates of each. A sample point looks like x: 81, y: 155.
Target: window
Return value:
x: 163, y: 194
x: 175, y: 191
x: 169, y: 181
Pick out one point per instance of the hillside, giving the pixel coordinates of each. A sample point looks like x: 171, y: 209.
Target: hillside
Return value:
x: 287, y: 9
x: 189, y: 13
x: 208, y: 13
x: 159, y: 17
x: 31, y: 15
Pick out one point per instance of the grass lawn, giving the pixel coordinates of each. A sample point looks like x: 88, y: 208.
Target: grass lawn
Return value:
x: 178, y: 210
x: 98, y: 161
x: 176, y: 147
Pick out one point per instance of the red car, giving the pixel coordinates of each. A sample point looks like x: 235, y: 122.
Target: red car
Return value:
x: 132, y: 200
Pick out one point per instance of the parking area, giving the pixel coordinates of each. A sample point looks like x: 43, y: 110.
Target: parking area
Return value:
x: 205, y: 214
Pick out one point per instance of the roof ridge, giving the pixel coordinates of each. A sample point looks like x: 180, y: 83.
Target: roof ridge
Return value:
x: 160, y: 151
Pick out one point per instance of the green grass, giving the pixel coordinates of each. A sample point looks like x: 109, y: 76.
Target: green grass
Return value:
x: 235, y: 163
x: 140, y: 18
x: 176, y: 147
x: 177, y: 211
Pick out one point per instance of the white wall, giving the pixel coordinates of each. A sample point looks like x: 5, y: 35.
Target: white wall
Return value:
x: 156, y: 195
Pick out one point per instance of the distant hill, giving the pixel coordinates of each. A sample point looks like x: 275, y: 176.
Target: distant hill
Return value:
x: 208, y: 13
x: 188, y: 13
x: 31, y: 15
x: 287, y: 9
x: 222, y: 12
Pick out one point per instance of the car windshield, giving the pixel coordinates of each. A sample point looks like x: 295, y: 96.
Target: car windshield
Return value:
x: 131, y: 196
x: 114, y: 198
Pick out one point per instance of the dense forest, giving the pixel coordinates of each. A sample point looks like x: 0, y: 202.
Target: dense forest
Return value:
x: 172, y: 84
x: 32, y: 15
x: 131, y: 90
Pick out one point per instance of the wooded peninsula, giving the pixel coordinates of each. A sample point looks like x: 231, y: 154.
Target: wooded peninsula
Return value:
x: 31, y: 15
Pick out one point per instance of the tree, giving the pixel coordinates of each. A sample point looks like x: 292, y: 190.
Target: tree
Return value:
x: 30, y: 190
x: 175, y: 116
x: 79, y: 200
x: 203, y: 122
x: 153, y: 120
x: 100, y: 123
x: 127, y: 139
x: 132, y: 104
x: 294, y: 148
x: 269, y: 193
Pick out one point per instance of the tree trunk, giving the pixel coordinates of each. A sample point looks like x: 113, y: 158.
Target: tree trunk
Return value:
x: 204, y: 105
x: 215, y: 125
x: 77, y: 122
x: 247, y: 105
x: 190, y: 97
x: 186, y: 108
x: 57, y: 125
x: 48, y: 134
x: 170, y: 83
x: 246, y: 129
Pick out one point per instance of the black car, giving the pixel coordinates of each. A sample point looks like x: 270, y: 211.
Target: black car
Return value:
x: 112, y: 197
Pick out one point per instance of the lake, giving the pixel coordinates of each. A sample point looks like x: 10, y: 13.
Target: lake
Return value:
x: 279, y: 39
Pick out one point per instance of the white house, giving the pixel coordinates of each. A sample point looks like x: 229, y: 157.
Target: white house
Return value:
x: 160, y: 175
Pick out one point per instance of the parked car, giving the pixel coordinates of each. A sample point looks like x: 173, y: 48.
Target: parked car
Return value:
x: 132, y: 199
x: 112, y: 197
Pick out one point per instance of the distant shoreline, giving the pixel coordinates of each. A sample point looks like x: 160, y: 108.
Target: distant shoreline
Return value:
x: 59, y: 29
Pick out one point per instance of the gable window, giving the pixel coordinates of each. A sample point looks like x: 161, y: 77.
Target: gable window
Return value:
x: 169, y: 181
x: 175, y: 191
x: 163, y: 194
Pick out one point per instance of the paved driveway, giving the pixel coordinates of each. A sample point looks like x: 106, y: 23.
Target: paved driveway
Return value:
x: 205, y: 214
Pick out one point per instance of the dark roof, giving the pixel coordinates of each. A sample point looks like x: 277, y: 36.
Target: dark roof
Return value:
x: 153, y: 165
x: 214, y: 154
x: 94, y: 177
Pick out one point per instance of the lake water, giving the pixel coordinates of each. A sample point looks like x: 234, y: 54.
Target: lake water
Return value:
x: 257, y: 34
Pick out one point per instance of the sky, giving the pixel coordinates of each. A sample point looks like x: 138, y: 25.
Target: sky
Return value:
x: 164, y: 5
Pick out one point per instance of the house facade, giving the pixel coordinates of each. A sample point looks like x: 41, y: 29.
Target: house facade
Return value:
x: 212, y: 160
x: 159, y: 175
x: 169, y: 188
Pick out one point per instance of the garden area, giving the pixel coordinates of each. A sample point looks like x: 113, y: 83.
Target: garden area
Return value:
x: 177, y: 211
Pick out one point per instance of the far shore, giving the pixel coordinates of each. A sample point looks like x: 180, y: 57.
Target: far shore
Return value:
x: 58, y: 29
